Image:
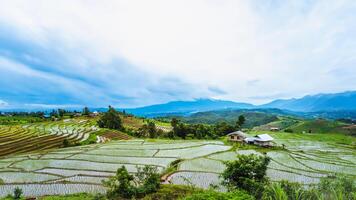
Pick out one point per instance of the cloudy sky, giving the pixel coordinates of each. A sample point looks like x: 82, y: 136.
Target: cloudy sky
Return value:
x: 132, y: 53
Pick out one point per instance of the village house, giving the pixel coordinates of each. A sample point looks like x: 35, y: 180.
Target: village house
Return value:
x: 263, y: 140
x: 94, y: 114
x: 274, y: 129
x: 237, y: 136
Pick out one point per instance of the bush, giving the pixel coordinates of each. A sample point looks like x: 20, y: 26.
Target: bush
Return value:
x: 125, y: 185
x: 111, y: 119
x: 169, y: 192
x: 288, y: 130
x: 329, y: 188
x: 248, y: 172
x: 17, y: 193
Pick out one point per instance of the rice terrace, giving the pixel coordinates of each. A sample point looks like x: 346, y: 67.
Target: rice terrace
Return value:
x: 33, y: 160
x: 177, y: 100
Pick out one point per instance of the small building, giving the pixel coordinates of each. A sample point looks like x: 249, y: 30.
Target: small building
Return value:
x: 263, y: 140
x: 77, y: 114
x: 47, y: 116
x: 94, y: 114
x: 274, y: 129
x: 237, y: 136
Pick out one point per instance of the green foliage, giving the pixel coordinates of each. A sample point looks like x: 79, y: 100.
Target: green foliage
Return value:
x: 111, y: 119
x: 19, y: 119
x: 253, y: 117
x: 79, y: 196
x: 213, y: 195
x: 274, y: 192
x: 125, y: 185
x: 240, y: 122
x: 337, y: 187
x: 170, y: 192
x: 247, y: 172
x: 329, y: 188
x: 86, y: 111
x: 17, y: 193
x: 199, y: 131
x: 147, y: 130
x: 288, y: 130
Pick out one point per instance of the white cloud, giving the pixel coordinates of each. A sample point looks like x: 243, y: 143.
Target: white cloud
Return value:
x: 3, y: 104
x: 286, y: 47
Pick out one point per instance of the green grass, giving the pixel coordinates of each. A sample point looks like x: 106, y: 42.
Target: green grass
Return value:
x: 79, y: 196
x: 319, y: 126
x: 336, y: 138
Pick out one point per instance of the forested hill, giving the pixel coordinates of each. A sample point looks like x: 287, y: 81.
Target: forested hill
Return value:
x: 253, y: 117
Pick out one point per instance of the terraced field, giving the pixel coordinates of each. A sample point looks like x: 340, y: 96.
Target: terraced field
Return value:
x: 81, y: 169
x: 304, y: 161
x: 42, y: 136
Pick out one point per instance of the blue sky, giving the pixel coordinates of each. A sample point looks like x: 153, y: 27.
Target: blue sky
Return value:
x: 133, y: 53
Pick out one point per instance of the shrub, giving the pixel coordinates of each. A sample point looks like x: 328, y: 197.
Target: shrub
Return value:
x: 288, y: 130
x: 338, y: 187
x: 125, y: 185
x: 329, y: 188
x: 248, y: 172
x: 213, y: 195
x: 17, y: 193
x: 169, y: 192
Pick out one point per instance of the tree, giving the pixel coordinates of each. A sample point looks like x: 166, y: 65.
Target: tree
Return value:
x: 241, y: 120
x: 61, y: 112
x: 125, y: 185
x: 148, y: 130
x: 152, y: 131
x: 224, y: 128
x: 85, y: 111
x: 248, y: 172
x: 111, y: 119
x: 53, y: 113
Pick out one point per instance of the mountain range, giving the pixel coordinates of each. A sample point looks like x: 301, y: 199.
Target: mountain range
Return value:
x: 320, y: 103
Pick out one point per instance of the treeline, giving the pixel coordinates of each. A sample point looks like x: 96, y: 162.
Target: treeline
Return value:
x: 182, y: 130
x: 13, y: 118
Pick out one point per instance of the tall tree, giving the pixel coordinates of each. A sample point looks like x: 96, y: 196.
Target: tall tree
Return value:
x: 85, y: 111
x: 241, y: 121
x: 111, y: 119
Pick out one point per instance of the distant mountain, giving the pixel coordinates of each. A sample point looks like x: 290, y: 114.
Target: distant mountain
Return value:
x: 187, y: 107
x: 319, y: 102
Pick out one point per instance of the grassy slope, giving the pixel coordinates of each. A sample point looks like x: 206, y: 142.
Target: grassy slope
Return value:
x: 319, y: 126
x: 321, y: 137
x: 253, y: 118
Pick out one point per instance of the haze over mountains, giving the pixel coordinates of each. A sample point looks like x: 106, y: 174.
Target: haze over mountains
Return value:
x: 310, y: 103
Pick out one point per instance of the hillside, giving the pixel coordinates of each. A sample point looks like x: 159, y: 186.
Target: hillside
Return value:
x: 253, y: 117
x: 323, y: 126
x: 319, y: 102
x: 186, y: 107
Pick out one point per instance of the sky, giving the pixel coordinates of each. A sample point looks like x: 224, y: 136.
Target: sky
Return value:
x: 130, y: 53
